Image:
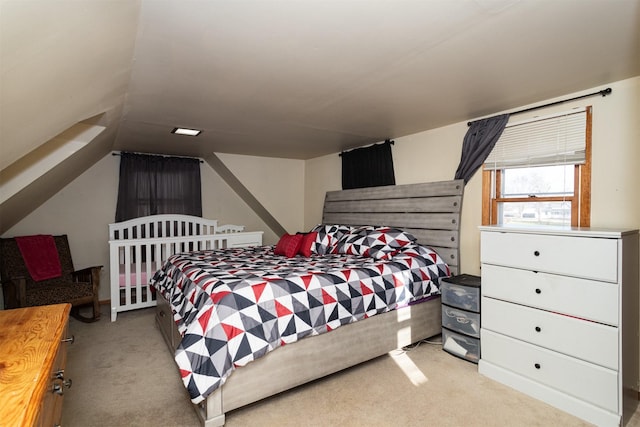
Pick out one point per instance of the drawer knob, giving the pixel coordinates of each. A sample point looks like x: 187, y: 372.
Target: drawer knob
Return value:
x: 537, y: 365
x: 57, y: 389
x: 538, y: 291
x: 538, y: 329
x: 536, y: 253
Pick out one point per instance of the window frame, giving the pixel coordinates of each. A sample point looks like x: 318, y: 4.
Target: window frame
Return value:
x: 580, y: 211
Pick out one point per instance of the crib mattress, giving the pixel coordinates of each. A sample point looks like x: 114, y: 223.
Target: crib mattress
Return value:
x: 131, y: 271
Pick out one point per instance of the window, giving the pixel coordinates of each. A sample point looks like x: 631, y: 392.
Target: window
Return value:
x: 370, y: 166
x: 151, y: 185
x: 539, y: 172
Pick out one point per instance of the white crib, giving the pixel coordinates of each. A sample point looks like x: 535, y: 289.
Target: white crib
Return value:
x: 138, y: 247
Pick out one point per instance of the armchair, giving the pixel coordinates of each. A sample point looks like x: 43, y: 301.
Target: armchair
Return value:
x: 79, y: 288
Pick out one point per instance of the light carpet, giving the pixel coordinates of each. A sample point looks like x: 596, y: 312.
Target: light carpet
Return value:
x: 124, y: 375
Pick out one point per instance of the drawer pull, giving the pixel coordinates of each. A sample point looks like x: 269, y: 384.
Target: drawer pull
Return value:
x: 57, y: 389
x: 537, y: 365
x: 70, y: 340
x: 538, y: 291
x: 536, y: 253
x: 59, y: 374
x: 538, y: 329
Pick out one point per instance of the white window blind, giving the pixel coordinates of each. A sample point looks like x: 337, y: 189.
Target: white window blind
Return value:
x: 559, y: 139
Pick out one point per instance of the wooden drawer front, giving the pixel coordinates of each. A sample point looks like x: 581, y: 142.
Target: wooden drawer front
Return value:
x: 585, y: 381
x: 164, y: 318
x: 589, y: 258
x: 588, y: 299
x: 589, y: 341
x: 163, y: 312
x: 61, y: 365
x: 50, y: 413
x: 176, y: 338
x: 462, y: 321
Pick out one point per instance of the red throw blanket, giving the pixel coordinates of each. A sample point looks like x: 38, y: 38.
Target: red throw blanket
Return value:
x: 40, y: 256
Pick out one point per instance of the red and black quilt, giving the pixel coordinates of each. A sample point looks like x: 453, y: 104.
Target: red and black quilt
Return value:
x: 233, y: 306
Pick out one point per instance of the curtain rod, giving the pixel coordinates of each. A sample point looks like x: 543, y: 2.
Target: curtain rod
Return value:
x: 386, y: 141
x: 114, y: 153
x: 603, y: 92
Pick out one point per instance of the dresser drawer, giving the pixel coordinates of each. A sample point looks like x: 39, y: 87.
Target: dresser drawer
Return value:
x: 590, y: 258
x: 589, y: 341
x: 51, y: 408
x: 164, y: 319
x: 588, y: 299
x: 583, y: 380
x: 462, y: 321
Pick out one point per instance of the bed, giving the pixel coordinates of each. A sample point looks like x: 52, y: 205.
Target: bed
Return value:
x: 429, y: 212
x: 138, y: 247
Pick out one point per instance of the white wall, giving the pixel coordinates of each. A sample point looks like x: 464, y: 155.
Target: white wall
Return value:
x: 85, y: 207
x: 278, y: 184
x: 434, y: 156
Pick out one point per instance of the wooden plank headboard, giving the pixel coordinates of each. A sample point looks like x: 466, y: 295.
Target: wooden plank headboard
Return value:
x: 429, y: 211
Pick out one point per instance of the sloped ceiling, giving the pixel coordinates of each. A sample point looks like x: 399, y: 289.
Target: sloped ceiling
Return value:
x: 293, y: 79
x: 63, y: 64
x: 300, y: 79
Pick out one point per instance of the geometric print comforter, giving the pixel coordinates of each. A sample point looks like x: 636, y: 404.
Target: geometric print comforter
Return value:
x: 233, y: 306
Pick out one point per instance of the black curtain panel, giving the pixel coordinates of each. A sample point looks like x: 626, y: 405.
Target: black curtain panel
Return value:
x: 368, y: 166
x: 478, y: 143
x: 151, y: 185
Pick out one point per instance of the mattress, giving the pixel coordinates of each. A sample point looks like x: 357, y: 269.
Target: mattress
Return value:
x: 233, y: 306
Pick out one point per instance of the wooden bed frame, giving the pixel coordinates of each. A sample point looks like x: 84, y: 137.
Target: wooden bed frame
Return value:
x: 431, y: 212
x: 154, y: 239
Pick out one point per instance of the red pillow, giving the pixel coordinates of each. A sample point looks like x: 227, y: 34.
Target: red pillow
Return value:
x: 307, y: 241
x: 288, y: 245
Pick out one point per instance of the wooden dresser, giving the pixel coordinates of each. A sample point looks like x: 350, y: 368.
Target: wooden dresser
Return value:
x: 32, y: 362
x: 560, y: 317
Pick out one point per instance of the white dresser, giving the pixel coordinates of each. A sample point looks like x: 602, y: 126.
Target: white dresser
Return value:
x: 560, y: 317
